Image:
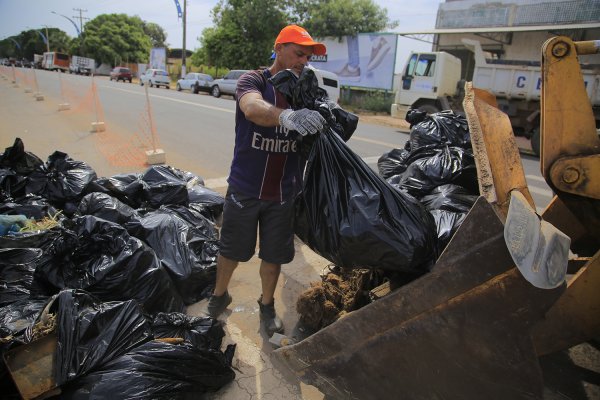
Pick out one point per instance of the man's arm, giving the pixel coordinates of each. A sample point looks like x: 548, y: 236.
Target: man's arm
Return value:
x: 259, y: 111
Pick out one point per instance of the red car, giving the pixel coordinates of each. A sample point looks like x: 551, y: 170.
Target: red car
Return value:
x: 121, y: 74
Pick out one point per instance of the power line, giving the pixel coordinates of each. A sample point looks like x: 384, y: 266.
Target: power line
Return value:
x: 80, y: 17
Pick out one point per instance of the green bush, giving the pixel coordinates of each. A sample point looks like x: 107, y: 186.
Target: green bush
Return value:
x: 175, y: 70
x: 378, y: 101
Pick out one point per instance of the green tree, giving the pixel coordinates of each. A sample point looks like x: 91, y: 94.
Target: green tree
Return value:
x: 157, y: 34
x: 116, y: 38
x: 243, y: 33
x: 32, y: 43
x: 338, y: 18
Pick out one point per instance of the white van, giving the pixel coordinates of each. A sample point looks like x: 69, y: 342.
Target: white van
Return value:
x: 328, y: 81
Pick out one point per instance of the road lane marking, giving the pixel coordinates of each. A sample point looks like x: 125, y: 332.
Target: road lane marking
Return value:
x: 540, y: 191
x: 372, y: 141
x: 371, y: 160
x: 535, y: 178
x: 175, y: 100
x: 216, y: 182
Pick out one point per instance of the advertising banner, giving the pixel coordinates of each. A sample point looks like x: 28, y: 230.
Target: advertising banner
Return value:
x: 366, y: 60
x: 158, y: 58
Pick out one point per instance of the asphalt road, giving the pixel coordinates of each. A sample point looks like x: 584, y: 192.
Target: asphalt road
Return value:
x: 196, y: 131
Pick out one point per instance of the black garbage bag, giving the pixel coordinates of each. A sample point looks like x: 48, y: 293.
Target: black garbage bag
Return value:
x: 127, y: 188
x: 449, y: 197
x: 31, y: 206
x: 430, y: 167
x: 202, y: 332
x: 352, y: 217
x: 392, y: 163
x: 17, y: 316
x: 42, y: 239
x: 447, y: 223
x: 11, y: 184
x: 165, y: 185
x: 102, y: 258
x: 208, y: 202
x: 439, y: 129
x: 414, y: 116
x: 62, y: 180
x: 186, y: 243
x: 156, y: 370
x: 91, y: 333
x: 304, y: 92
x: 16, y: 275
x: 17, y: 159
x: 105, y: 206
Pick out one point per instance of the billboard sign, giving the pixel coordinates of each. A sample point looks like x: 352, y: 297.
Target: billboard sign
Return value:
x: 158, y: 58
x: 366, y: 60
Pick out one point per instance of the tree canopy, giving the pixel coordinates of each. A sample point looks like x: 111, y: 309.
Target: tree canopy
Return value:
x: 30, y: 42
x: 244, y: 31
x: 116, y: 38
x: 338, y: 18
x: 157, y: 34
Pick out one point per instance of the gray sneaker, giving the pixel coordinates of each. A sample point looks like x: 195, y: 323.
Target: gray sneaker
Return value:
x: 270, y: 322
x: 218, y: 304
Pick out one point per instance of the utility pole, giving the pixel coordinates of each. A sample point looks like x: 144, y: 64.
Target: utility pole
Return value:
x: 81, y: 18
x: 47, y: 39
x: 183, y: 49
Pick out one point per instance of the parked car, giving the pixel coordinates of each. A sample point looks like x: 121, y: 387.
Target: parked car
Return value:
x: 121, y: 74
x: 196, y: 82
x: 156, y: 77
x: 227, y: 84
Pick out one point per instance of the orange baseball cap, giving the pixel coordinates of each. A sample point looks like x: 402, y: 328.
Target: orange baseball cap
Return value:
x: 298, y: 35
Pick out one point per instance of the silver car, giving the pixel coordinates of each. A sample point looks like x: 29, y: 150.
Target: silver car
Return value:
x: 195, y: 82
x: 156, y: 77
x: 228, y: 83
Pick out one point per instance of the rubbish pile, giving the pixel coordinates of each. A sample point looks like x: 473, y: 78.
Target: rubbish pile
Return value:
x: 106, y: 266
x: 396, y: 223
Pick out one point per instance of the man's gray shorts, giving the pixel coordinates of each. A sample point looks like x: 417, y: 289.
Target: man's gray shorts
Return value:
x: 244, y: 215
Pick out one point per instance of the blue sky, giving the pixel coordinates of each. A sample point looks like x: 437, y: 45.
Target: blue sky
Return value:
x: 20, y: 15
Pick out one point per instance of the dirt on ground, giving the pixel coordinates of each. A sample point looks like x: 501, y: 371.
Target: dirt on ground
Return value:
x: 339, y: 292
x: 384, y: 119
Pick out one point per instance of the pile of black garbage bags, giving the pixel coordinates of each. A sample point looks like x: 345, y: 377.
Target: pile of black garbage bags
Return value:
x: 397, y: 221
x: 126, y: 255
x: 436, y: 166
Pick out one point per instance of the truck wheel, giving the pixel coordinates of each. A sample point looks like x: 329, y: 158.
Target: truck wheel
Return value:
x: 428, y: 108
x: 535, y: 141
x: 215, y: 91
x: 196, y: 88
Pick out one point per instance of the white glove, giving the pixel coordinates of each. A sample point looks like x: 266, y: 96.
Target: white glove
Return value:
x: 303, y: 121
x: 332, y: 105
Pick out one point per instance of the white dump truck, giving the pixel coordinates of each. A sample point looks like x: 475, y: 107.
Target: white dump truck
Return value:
x: 431, y: 81
x: 82, y: 65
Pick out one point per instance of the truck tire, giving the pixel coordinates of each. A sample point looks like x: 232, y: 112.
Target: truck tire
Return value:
x: 215, y: 91
x: 535, y: 141
x: 428, y: 108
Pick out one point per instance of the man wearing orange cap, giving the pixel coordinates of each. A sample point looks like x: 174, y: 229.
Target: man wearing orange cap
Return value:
x: 265, y: 176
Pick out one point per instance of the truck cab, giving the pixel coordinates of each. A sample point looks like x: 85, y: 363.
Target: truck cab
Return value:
x: 426, y: 78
